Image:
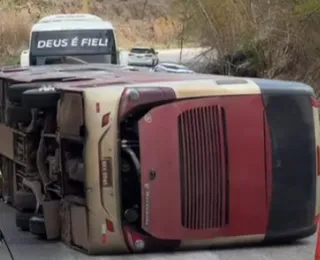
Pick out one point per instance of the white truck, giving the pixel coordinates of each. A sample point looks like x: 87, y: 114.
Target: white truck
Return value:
x: 76, y: 37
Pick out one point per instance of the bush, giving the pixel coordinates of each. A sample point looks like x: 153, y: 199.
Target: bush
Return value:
x: 14, y: 35
x: 282, y: 38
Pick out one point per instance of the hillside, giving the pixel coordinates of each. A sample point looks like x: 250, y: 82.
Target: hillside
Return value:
x: 136, y: 21
x: 273, y: 39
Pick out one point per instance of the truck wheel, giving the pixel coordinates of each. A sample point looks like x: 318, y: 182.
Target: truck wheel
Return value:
x: 41, y: 98
x: 18, y: 114
x: 37, y: 226
x: 25, y: 200
x: 15, y: 91
x: 22, y: 220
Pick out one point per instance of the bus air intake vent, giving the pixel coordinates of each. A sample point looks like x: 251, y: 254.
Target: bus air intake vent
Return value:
x: 203, y: 168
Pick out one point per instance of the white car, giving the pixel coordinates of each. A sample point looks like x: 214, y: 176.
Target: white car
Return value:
x: 171, y: 68
x: 143, y: 56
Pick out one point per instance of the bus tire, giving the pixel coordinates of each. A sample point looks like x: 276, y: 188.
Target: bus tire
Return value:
x: 15, y: 91
x: 41, y: 98
x: 17, y: 114
x: 25, y: 200
x: 37, y: 226
x: 22, y: 220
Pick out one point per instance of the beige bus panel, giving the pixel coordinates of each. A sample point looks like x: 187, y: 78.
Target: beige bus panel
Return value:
x: 79, y: 226
x: 317, y: 137
x: 203, y: 88
x: 98, y: 211
x: 6, y: 145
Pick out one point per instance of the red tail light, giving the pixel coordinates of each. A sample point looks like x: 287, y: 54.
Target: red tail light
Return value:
x: 315, y: 102
x: 105, y: 120
x: 135, y: 97
x: 109, y: 225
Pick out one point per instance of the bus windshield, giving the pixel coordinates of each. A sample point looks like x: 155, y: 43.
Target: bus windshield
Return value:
x: 92, y: 46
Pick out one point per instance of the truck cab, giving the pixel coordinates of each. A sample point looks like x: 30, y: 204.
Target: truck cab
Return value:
x: 84, y: 37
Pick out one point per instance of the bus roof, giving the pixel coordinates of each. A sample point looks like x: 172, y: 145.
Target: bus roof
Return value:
x: 77, y: 77
x: 60, y: 22
x: 69, y: 17
x: 90, y: 74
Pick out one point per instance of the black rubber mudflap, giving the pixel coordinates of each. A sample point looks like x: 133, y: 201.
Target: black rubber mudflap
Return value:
x: 15, y: 91
x: 18, y: 114
x: 25, y: 200
x: 41, y: 98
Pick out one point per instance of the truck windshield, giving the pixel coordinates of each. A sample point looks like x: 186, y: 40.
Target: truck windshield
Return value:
x: 92, y: 46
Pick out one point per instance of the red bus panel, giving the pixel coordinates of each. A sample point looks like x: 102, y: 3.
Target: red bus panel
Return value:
x: 205, y: 168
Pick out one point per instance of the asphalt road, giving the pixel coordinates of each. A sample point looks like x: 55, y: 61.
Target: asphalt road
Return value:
x: 172, y: 55
x: 24, y: 246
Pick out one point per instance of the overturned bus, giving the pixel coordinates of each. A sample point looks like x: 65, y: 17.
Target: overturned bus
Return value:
x: 117, y: 161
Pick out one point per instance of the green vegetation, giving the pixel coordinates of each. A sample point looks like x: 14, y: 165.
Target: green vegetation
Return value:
x: 307, y: 7
x: 13, y: 60
x: 281, y: 37
x: 141, y: 22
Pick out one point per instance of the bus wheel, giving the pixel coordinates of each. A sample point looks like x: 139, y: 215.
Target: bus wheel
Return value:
x: 15, y: 91
x: 41, y: 98
x: 22, y: 220
x: 25, y: 200
x: 37, y: 226
x: 18, y: 114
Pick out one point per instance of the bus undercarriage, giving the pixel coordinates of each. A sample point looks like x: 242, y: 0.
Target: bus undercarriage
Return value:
x: 43, y: 162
